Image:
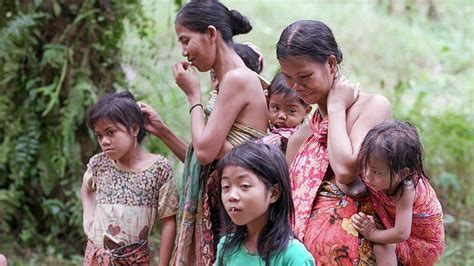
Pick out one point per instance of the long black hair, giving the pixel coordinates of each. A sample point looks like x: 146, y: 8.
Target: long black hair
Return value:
x: 119, y: 108
x: 269, y: 164
x: 198, y: 15
x: 396, y: 143
x: 308, y: 38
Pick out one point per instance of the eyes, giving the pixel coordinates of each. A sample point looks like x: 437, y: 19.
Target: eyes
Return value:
x: 243, y: 186
x: 276, y: 108
x: 108, y: 133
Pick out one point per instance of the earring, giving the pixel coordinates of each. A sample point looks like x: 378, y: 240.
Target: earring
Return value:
x: 135, y: 142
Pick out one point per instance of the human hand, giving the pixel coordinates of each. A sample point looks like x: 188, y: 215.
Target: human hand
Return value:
x: 153, y: 122
x: 342, y: 94
x: 364, y: 224
x: 186, y: 78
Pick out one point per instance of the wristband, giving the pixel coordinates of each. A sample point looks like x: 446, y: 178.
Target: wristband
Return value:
x: 192, y: 107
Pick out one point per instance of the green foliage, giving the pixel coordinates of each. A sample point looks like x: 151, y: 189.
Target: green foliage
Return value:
x: 55, y: 58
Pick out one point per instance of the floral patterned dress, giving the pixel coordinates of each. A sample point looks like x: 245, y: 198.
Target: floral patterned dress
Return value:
x: 127, y: 203
x: 322, y: 211
x: 426, y: 242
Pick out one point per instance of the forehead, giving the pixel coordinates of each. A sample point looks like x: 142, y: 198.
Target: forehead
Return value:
x: 297, y: 64
x: 183, y: 31
x: 288, y: 99
x: 237, y: 172
x: 104, y: 123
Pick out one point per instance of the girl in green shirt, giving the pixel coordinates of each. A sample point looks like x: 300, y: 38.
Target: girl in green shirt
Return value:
x: 256, y: 195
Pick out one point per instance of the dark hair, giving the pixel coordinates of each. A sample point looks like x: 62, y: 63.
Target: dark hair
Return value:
x: 279, y: 86
x: 198, y: 15
x: 250, y: 57
x: 269, y: 164
x: 118, y: 108
x: 397, y: 144
x: 308, y: 38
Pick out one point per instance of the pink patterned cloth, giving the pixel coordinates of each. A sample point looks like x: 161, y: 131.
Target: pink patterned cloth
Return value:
x: 278, y: 137
x: 426, y: 242
x: 322, y: 211
x: 307, y: 172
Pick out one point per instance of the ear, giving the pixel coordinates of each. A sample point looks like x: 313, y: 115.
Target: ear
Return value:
x: 275, y: 193
x: 212, y: 33
x: 332, y: 62
x: 135, y: 129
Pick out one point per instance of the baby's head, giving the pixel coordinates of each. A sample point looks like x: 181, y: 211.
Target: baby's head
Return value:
x: 391, y: 154
x: 117, y: 122
x: 286, y: 108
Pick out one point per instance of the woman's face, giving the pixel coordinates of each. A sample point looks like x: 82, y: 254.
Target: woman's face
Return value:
x: 196, y: 48
x: 309, y: 78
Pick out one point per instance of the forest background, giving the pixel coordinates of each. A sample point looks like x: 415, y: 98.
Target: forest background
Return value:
x: 58, y: 56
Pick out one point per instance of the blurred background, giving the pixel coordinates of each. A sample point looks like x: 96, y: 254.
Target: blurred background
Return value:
x: 58, y: 56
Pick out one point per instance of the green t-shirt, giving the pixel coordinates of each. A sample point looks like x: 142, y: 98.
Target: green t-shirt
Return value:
x: 294, y: 255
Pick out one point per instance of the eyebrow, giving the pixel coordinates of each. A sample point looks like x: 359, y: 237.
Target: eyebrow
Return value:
x: 242, y: 176
x: 107, y: 128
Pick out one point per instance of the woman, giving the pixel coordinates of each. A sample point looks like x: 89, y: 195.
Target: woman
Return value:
x: 325, y: 153
x: 236, y: 112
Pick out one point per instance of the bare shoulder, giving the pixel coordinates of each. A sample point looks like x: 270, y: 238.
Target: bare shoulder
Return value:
x: 240, y: 77
x: 369, y: 104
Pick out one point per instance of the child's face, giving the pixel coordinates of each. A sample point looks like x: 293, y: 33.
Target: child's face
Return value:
x: 245, y: 197
x: 286, y: 111
x: 378, y: 175
x: 114, y: 138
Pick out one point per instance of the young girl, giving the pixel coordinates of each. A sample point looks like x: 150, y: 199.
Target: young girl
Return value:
x: 125, y: 188
x: 256, y: 196
x: 287, y: 112
x: 392, y: 159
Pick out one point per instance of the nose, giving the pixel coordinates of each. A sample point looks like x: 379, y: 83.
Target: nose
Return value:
x: 184, y: 52
x: 296, y: 86
x: 104, y: 142
x: 281, y: 115
x: 233, y: 195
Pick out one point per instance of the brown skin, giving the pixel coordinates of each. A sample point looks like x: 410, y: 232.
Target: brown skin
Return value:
x: 240, y: 99
x: 351, y: 114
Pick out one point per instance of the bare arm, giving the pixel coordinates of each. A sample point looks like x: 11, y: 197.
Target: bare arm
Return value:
x: 397, y: 234
x: 295, y: 142
x: 88, y: 206
x: 342, y: 147
x: 168, y: 233
x: 208, y: 139
x: 155, y: 125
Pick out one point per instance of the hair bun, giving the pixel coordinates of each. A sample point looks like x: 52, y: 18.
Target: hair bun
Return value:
x: 240, y: 24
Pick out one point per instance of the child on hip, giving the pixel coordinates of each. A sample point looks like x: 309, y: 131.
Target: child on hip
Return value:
x: 392, y: 159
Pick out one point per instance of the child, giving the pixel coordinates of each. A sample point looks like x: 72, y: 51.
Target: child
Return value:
x: 125, y: 188
x: 392, y: 159
x: 287, y: 112
x: 256, y: 196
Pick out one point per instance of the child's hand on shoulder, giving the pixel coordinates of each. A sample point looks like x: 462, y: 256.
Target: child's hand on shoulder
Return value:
x: 364, y: 224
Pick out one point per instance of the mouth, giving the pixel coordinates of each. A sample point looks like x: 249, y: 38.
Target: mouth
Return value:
x: 280, y: 124
x: 233, y: 210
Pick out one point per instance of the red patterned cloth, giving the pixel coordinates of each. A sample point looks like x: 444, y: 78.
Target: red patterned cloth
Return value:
x: 322, y: 211
x: 426, y: 242
x: 136, y: 253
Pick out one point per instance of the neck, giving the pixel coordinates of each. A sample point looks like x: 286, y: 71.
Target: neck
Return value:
x: 226, y: 59
x: 254, y: 230
x: 131, y: 159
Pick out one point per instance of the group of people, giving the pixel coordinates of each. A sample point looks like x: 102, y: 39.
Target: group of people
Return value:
x: 263, y: 183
